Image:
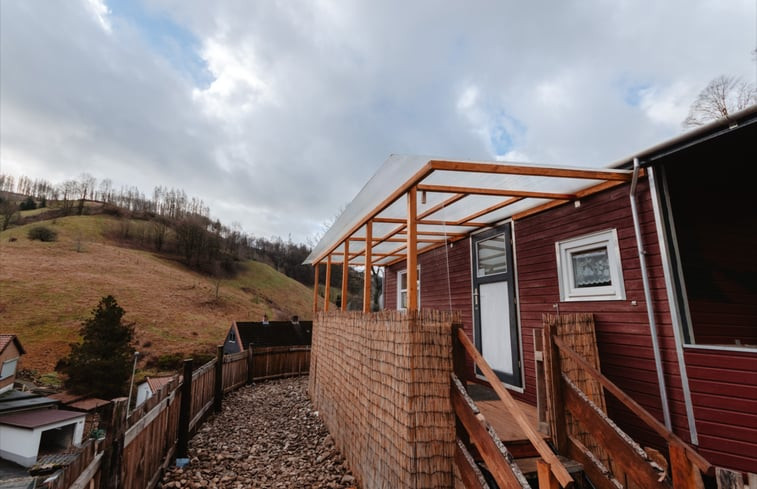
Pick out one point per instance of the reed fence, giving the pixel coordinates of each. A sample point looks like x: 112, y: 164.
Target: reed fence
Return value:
x: 140, y: 444
x: 381, y: 384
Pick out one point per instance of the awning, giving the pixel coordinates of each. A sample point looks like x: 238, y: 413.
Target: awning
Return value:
x: 454, y: 197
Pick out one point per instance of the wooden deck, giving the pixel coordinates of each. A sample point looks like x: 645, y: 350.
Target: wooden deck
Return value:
x: 495, y: 413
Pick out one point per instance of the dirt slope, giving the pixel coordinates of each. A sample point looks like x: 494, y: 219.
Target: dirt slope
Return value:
x: 47, y: 289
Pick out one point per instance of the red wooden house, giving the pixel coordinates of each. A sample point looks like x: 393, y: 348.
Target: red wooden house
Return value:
x: 660, y: 247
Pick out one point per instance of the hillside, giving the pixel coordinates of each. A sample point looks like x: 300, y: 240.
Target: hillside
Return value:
x: 47, y: 289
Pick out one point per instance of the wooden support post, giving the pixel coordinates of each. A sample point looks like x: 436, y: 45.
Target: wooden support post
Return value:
x: 683, y: 472
x: 114, y: 419
x: 458, y: 368
x: 345, y: 273
x: 218, y: 395
x: 555, y: 403
x: 412, y: 249
x: 327, y: 293
x: 317, y: 268
x: 546, y: 478
x: 185, y: 411
x: 250, y: 365
x: 367, y: 280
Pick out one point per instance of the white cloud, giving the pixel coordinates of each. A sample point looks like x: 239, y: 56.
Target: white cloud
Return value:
x: 305, y: 99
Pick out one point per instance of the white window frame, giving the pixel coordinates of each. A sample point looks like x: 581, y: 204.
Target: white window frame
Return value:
x: 400, y: 290
x: 9, y: 368
x: 565, y: 250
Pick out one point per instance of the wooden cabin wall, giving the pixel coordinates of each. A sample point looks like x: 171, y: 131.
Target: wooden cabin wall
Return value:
x: 622, y: 328
x: 437, y: 292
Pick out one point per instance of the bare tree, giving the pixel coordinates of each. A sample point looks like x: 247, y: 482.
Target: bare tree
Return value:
x: 722, y: 96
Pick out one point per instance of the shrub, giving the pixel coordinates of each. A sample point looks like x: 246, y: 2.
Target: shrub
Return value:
x: 42, y: 233
x: 28, y: 204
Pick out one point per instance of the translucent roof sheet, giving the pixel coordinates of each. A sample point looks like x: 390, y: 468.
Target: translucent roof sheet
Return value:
x: 454, y: 198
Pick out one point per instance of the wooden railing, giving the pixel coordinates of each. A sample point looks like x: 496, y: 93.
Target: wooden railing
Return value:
x: 631, y: 463
x: 473, y: 434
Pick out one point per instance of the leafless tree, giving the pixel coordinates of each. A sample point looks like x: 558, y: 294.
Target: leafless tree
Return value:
x: 722, y: 96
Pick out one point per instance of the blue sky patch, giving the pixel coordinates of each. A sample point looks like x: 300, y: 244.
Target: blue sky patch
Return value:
x: 170, y: 40
x: 503, y: 130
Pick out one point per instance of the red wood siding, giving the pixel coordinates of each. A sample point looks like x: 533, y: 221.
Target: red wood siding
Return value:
x: 625, y: 346
x: 724, y: 393
x: 439, y: 289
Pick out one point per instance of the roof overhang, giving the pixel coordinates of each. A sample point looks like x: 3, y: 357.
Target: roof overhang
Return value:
x: 457, y: 197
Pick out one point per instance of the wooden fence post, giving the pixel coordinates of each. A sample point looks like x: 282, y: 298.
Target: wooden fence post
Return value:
x: 185, y: 411
x: 250, y: 365
x: 558, y: 428
x: 218, y: 396
x: 115, y: 422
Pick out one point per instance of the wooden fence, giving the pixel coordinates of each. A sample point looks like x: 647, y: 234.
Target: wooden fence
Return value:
x: 140, y: 445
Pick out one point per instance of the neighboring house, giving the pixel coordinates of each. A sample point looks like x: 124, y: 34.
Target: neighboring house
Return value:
x: 660, y: 247
x: 150, y: 386
x: 31, y: 424
x: 242, y: 334
x: 10, y: 353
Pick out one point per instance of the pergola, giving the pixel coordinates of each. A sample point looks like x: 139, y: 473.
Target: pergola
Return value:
x: 414, y: 204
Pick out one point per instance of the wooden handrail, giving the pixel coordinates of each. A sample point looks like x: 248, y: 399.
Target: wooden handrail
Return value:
x: 636, y: 408
x: 558, y: 469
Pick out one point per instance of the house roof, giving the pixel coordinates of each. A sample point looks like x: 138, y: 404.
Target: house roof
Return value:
x: 456, y: 197
x: 275, y: 333
x: 7, y: 339
x: 14, y: 400
x: 156, y: 383
x: 38, y: 418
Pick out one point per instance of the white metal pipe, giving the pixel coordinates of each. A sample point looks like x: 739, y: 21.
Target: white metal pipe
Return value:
x: 648, y: 297
x: 674, y: 312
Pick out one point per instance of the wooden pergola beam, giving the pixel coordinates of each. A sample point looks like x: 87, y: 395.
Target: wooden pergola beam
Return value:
x: 539, y: 171
x: 345, y: 274
x: 327, y: 293
x: 450, y: 189
x: 315, y: 288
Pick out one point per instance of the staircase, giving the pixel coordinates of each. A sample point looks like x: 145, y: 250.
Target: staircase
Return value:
x: 524, y: 459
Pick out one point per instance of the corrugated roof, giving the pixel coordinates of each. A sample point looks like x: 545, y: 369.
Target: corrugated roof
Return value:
x: 38, y: 418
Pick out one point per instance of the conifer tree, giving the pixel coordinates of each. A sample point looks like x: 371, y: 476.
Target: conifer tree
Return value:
x: 101, y: 364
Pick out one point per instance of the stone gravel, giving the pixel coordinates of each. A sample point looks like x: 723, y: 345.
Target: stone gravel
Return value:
x: 267, y: 436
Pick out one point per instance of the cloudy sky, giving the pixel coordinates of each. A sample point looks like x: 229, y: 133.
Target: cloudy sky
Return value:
x: 276, y: 113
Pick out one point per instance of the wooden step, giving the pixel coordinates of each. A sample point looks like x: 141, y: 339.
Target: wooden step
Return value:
x: 528, y: 467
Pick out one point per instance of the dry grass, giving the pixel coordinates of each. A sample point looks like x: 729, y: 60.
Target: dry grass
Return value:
x: 47, y: 289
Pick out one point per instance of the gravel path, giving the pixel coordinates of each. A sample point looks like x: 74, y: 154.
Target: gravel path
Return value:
x: 267, y: 436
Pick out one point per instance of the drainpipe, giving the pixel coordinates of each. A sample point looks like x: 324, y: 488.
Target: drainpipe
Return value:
x: 648, y: 297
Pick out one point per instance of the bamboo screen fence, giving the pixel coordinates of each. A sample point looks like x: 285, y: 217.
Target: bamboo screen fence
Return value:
x: 577, y: 330
x: 381, y: 383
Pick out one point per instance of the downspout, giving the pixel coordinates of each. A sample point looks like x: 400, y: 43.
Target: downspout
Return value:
x: 648, y: 297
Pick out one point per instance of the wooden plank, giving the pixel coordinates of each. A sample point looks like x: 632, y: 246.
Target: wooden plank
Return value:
x: 639, y: 411
x: 536, y: 439
x: 469, y: 471
x: 317, y: 268
x: 546, y: 478
x: 633, y: 463
x: 684, y: 473
x: 557, y: 424
x: 367, y: 279
x: 345, y: 274
x: 450, y: 189
x: 88, y: 474
x: 412, y: 247
x: 495, y: 456
x: 598, y: 474
x: 327, y: 291
x: 543, y: 171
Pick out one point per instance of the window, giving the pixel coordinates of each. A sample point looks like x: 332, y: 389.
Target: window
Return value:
x: 9, y: 368
x: 589, y: 268
x: 492, y: 256
x: 402, y: 289
x: 232, y: 337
